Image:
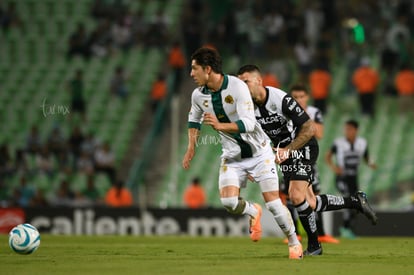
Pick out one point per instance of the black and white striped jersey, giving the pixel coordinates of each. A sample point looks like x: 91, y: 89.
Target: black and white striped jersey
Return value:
x: 349, y: 155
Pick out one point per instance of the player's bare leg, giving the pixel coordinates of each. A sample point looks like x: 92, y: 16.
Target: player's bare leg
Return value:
x: 229, y: 196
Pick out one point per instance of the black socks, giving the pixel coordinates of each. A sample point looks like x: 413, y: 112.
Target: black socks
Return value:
x: 308, y: 219
x: 331, y: 202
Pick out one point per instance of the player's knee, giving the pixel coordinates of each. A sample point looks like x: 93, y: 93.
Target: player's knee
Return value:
x: 312, y: 202
x: 296, y: 196
x: 233, y: 205
x: 230, y: 203
x: 297, y: 191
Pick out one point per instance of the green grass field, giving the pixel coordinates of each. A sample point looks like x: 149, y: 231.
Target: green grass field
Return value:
x: 185, y: 255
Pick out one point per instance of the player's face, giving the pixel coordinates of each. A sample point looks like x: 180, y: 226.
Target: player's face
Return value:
x: 253, y: 81
x: 350, y: 132
x: 199, y: 74
x: 301, y: 97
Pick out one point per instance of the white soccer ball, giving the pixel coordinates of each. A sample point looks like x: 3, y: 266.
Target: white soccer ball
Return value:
x: 24, y: 239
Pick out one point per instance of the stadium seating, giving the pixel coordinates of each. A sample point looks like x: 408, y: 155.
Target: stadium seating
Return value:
x: 34, y: 70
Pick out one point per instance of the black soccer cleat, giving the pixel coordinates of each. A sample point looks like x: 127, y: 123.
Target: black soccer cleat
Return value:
x: 366, y: 208
x: 313, y: 251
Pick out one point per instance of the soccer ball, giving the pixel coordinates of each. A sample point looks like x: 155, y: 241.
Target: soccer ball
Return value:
x: 24, y: 239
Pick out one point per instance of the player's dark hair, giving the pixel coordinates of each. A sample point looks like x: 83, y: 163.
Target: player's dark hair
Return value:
x: 299, y: 87
x: 249, y: 68
x: 208, y: 57
x: 353, y: 123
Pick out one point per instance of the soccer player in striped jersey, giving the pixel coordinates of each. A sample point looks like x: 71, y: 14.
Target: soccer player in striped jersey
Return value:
x: 224, y: 102
x: 301, y: 95
x: 292, y: 134
x: 349, y: 150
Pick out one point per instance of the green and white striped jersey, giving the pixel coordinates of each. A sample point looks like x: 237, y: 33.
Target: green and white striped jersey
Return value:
x: 232, y: 103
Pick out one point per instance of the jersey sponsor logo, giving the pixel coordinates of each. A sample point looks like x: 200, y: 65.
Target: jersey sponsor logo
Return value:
x: 298, y: 109
x: 270, y: 119
x: 229, y: 99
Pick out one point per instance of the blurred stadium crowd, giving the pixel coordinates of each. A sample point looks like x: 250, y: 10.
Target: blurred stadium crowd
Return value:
x: 59, y: 157
x: 312, y: 33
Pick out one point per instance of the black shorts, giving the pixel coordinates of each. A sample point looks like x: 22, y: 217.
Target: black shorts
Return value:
x: 301, y: 166
x: 347, y: 185
x: 316, y: 183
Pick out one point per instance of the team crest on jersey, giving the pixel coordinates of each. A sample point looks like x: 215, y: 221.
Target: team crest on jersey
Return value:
x: 229, y: 99
x: 205, y: 103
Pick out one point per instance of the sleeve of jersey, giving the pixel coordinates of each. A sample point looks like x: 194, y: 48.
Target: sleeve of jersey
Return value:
x: 195, y: 116
x: 245, y: 110
x: 319, y: 117
x: 293, y: 110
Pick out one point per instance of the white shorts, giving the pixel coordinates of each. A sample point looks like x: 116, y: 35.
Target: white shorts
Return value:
x: 262, y: 168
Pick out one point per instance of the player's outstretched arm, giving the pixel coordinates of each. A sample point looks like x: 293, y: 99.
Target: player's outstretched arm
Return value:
x: 335, y: 168
x: 193, y: 134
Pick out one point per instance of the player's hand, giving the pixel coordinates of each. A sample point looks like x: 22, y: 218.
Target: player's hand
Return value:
x: 188, y: 156
x: 250, y: 177
x: 211, y: 120
x: 338, y: 170
x: 282, y: 154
